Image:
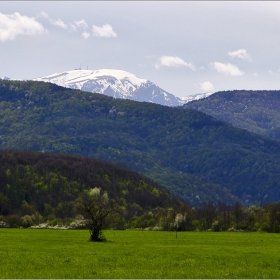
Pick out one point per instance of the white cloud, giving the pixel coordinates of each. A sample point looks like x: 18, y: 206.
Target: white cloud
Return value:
x: 173, y: 61
x: 44, y: 15
x: 15, y: 24
x: 207, y: 86
x: 73, y: 27
x: 58, y: 23
x: 240, y: 54
x: 255, y: 74
x: 104, y: 31
x: 85, y: 35
x: 273, y: 73
x: 227, y: 69
x: 81, y: 23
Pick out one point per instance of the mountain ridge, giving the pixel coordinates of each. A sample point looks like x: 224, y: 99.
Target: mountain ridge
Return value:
x: 255, y: 110
x: 196, y: 156
x: 118, y: 84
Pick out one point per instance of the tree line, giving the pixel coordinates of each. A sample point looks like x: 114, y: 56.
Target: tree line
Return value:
x: 206, y: 217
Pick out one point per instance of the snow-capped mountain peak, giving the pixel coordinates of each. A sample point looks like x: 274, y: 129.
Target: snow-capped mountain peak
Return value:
x: 111, y: 82
x: 82, y: 76
x: 115, y: 83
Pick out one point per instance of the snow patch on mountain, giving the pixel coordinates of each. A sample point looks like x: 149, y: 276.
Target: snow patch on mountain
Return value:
x: 4, y: 78
x: 192, y: 97
x: 77, y: 78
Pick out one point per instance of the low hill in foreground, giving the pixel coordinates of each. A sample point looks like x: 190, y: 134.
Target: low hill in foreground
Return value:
x: 48, y: 184
x: 256, y: 111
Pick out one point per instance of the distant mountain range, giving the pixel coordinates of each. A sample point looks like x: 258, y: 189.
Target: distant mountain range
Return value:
x: 118, y: 84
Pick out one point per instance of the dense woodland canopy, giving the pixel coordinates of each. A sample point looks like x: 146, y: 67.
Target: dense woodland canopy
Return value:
x: 47, y: 185
x: 196, y: 156
x: 42, y: 188
x: 256, y: 111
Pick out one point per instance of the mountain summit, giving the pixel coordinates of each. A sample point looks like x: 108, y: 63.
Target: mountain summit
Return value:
x: 115, y: 83
x: 118, y: 84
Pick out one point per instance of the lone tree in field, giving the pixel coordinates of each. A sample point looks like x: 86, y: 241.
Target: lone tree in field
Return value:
x: 96, y: 209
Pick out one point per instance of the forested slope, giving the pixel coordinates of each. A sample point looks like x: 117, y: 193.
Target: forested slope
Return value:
x: 196, y: 156
x: 256, y: 111
x: 32, y: 182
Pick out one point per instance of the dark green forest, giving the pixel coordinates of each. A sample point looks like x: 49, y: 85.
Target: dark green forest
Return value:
x: 46, y: 186
x: 256, y: 111
x: 38, y: 188
x: 195, y: 156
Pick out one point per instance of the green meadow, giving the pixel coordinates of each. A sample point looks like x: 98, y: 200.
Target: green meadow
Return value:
x: 45, y: 253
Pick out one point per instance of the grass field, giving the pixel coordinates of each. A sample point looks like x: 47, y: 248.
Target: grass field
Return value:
x: 31, y: 253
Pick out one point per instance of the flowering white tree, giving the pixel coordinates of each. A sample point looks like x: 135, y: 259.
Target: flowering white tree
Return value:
x: 95, y: 208
x: 179, y: 221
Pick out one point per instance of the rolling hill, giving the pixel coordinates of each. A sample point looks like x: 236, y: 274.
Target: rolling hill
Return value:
x: 47, y: 185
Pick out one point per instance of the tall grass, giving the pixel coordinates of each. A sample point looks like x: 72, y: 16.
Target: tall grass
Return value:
x: 138, y: 254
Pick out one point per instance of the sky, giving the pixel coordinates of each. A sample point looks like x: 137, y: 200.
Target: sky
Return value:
x: 184, y: 47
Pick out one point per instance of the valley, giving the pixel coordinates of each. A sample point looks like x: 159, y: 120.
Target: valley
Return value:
x: 139, y: 140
